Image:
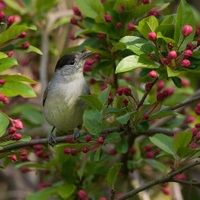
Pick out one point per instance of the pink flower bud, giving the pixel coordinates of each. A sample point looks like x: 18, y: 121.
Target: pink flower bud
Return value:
x: 153, y: 74
x: 39, y: 153
x: 12, y: 157
x: 16, y: 136
x: 37, y: 147
x: 119, y: 91
x: 22, y: 34
x: 172, y: 54
x: 121, y: 8
x: 146, y: 116
x: 132, y: 150
x: 149, y: 154
x: 160, y: 96
x: 24, y: 169
x: 148, y: 86
x: 154, y: 12
x: 113, y: 152
x: 125, y: 102
x: 17, y: 124
x: 180, y: 176
x: 69, y: 139
x: 152, y: 36
x: 185, y: 63
x: 108, y: 18
x: 12, y: 130
x: 90, y: 61
x: 10, y: 20
x: 103, y: 198
x: 187, y: 30
x: 100, y: 140
x: 166, y: 191
x: 130, y: 26
x: 145, y: 1
x: 23, y: 152
x: 119, y: 25
x: 101, y: 36
x: 10, y: 53
x: 2, y: 16
x: 126, y: 91
x: 88, y: 138
x: 170, y: 46
x: 187, y: 53
x: 2, y: 81
x: 76, y: 10
x: 72, y: 36
x: 85, y: 149
x: 73, y: 21
x: 185, y: 82
x: 87, y: 68
x: 148, y: 148
x: 193, y: 145
x: 165, y: 61
x: 25, y: 45
x: 82, y: 195
x: 67, y: 150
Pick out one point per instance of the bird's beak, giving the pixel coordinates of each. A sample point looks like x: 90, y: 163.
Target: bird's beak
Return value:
x: 85, y: 55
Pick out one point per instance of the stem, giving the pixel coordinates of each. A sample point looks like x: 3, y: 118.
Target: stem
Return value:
x: 166, y: 178
x: 145, y: 94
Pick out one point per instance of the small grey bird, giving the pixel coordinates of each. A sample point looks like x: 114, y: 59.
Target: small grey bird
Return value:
x: 62, y: 106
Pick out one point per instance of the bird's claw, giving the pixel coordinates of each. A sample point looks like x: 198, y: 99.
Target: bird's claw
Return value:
x: 51, y: 140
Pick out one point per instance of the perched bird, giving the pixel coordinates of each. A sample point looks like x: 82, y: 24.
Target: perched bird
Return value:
x: 62, y: 106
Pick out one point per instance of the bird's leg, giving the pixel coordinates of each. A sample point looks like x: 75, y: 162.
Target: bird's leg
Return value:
x: 77, y: 132
x: 51, y: 138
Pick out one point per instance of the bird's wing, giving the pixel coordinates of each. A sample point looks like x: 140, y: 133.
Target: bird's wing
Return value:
x: 45, y: 94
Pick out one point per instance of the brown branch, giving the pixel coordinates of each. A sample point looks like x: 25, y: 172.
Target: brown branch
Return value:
x: 166, y: 178
x: 191, y: 183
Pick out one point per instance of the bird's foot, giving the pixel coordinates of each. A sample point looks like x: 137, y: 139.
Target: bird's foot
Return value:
x: 51, y: 140
x: 76, y: 134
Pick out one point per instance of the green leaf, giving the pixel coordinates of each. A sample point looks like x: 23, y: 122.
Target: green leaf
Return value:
x: 43, y: 194
x: 14, y: 88
x: 103, y: 96
x: 30, y: 49
x: 17, y: 78
x: 142, y: 126
x: 3, y: 55
x: 172, y: 73
x: 4, y: 124
x: 164, y: 142
x: 122, y: 147
x: 93, y: 121
x: 7, y: 63
x: 166, y: 39
x: 96, y: 155
x: 182, y: 139
x: 147, y: 25
x: 90, y: 8
x: 177, y: 81
x: 133, y: 62
x: 12, y: 32
x: 185, y: 16
x: 138, y: 45
x: 161, y: 114
x: 66, y: 191
x: 112, y: 174
x: 183, y: 152
x: 156, y: 165
x: 92, y: 101
x: 123, y: 119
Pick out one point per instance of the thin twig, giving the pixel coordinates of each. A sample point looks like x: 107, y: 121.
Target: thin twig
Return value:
x: 166, y: 178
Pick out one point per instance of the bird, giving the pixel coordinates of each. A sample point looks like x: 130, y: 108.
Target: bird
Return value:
x: 63, y: 107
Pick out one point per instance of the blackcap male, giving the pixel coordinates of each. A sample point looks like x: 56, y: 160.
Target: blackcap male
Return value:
x: 62, y: 106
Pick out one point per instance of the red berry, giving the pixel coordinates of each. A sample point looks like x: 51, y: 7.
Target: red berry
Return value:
x: 160, y: 96
x: 69, y: 139
x: 2, y: 81
x: 88, y: 138
x: 187, y: 30
x: 180, y: 176
x: 92, y: 81
x: 119, y: 91
x: 172, y: 54
x: 148, y: 148
x: 100, y: 140
x: 170, y: 46
x: 125, y: 102
x: 121, y: 8
x: 145, y: 1
x: 165, y: 61
x: 67, y: 150
x: 166, y: 191
x: 39, y: 153
x: 132, y: 150
x: 161, y: 85
x: 185, y: 63
x: 23, y: 152
x: 113, y: 152
x: 10, y: 53
x: 149, y: 154
x: 130, y: 26
x: 193, y: 145
x: 126, y: 91
x: 154, y: 12
x: 23, y: 158
x: 82, y: 195
x: 108, y: 18
x: 37, y: 147
x: 197, y: 136
x: 12, y: 130
x: 146, y: 116
x: 152, y: 36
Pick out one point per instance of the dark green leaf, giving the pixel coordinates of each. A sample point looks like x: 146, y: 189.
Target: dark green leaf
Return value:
x: 123, y: 119
x: 103, y: 96
x: 164, y: 142
x: 183, y: 152
x: 113, y: 137
x: 161, y: 114
x: 65, y: 191
x: 93, y: 121
x: 4, y: 124
x: 122, y: 147
x: 177, y: 81
x: 30, y: 49
x: 142, y: 126
x: 112, y: 174
x: 172, y: 73
x: 92, y: 101
x: 96, y: 155
x: 135, y: 164
x: 185, y: 16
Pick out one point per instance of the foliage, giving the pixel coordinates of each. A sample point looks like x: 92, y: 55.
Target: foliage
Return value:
x: 140, y: 70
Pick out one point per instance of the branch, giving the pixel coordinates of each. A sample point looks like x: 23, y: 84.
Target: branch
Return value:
x: 191, y: 183
x: 166, y: 178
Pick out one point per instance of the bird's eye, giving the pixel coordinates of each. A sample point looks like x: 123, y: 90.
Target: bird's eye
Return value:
x: 71, y: 62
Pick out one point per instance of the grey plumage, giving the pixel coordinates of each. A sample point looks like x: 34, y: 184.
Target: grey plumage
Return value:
x: 62, y: 106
